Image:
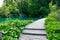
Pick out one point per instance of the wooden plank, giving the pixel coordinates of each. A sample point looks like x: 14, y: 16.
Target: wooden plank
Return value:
x: 35, y: 31
x: 32, y: 37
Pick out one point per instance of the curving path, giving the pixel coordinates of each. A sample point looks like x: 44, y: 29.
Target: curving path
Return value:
x: 34, y: 31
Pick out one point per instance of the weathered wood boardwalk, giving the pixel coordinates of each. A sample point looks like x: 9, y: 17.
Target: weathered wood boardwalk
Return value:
x: 34, y: 31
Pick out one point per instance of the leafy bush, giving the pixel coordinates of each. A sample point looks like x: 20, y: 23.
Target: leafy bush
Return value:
x: 12, y: 29
x: 52, y: 28
x: 54, y: 12
x: 53, y: 23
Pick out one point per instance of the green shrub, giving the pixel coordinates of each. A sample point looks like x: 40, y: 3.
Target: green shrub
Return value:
x: 12, y: 29
x: 53, y: 23
x: 53, y: 28
x: 54, y: 12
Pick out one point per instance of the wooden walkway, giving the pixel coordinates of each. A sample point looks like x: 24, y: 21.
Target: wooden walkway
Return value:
x: 34, y: 31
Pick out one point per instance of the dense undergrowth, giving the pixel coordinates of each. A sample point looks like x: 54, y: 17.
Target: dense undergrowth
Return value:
x: 53, y: 28
x: 12, y: 29
x: 52, y: 23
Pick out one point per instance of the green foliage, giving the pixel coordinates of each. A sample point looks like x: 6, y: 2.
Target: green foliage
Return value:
x: 52, y: 7
x: 9, y: 10
x: 12, y: 29
x: 55, y: 15
x: 54, y: 12
x: 57, y: 2
x: 53, y: 28
x: 43, y: 11
x: 37, y: 8
x: 28, y: 8
x: 53, y: 23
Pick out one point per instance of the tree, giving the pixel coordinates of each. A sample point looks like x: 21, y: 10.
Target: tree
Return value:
x: 27, y: 8
x: 10, y: 9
